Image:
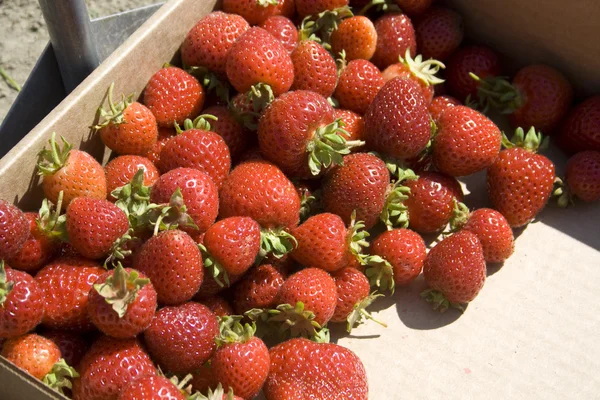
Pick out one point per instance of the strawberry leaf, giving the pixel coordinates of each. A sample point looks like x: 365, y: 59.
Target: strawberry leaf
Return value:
x: 357, y: 237
x: 114, y: 115
x: 439, y: 301
x: 380, y: 272
x: 60, y: 376
x: 320, y: 27
x: 215, y: 269
x: 121, y: 289
x: 231, y: 330
x: 267, y: 3
x: 275, y: 242
x: 53, y: 159
x: 5, y: 287
x: 359, y: 312
x: 498, y: 93
x: 423, y: 70
x: 51, y: 222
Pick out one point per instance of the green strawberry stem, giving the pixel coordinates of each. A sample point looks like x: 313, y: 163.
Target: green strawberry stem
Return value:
x: 200, y: 122
x: 498, y: 93
x: 121, y: 289
x: 320, y: 27
x: 115, y: 113
x: 5, y: 287
x: 215, y: 269
x: 424, y: 70
x: 50, y: 161
x: 134, y: 199
x: 309, y: 204
x: 533, y: 141
x: 328, y: 147
x: 171, y: 216
x: 439, y: 301
x: 382, y: 5
x: 231, y: 330
x: 460, y: 216
x: 51, y: 222
x: 211, y: 82
x: 561, y: 191
x: 118, y: 250
x: 395, y: 213
x: 341, y: 64
x: 359, y: 312
x: 380, y: 272
x: 60, y: 376
x: 357, y: 235
x: 275, y: 242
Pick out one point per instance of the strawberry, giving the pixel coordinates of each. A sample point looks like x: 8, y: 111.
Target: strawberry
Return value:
x: 414, y: 7
x: 173, y: 95
x: 439, y: 104
x: 258, y: 288
x: 65, y: 284
x: 581, y: 128
x: 324, y: 242
x: 120, y: 171
x: 174, y: 265
x: 360, y: 185
x: 283, y: 29
x: 405, y: 251
x: 397, y: 122
x: 122, y: 303
x: 72, y: 346
x: 41, y: 244
x: 257, y: 57
x: 209, y: 41
x: 356, y: 36
x: 164, y: 134
x: 520, y: 181
x: 182, y: 338
x: 354, y: 124
x: 298, y: 133
x: 257, y: 11
x: 419, y: 71
x: 454, y: 271
x: 313, y: 7
x: 300, y: 367
x: 439, y: 33
x: 357, y: 86
x: 73, y: 172
x: 313, y: 287
x: 199, y: 193
x: 218, y: 305
x: 241, y: 361
x: 94, y: 225
x: 109, y: 367
x: 395, y: 35
x: 14, y: 229
x: 494, y: 233
x: 466, y: 142
x: 479, y: 60
x: 232, y: 244
x: 232, y: 132
x: 151, y: 388
x: 582, y: 177
x: 314, y: 68
x: 128, y: 127
x: 259, y: 190
x: 199, y: 149
x: 21, y: 302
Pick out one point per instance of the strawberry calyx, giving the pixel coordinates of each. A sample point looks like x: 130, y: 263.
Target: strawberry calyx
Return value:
x: 118, y: 250
x: 357, y: 237
x: 423, y: 70
x: 114, y: 115
x: 50, y: 221
x: 460, y: 216
x: 563, y: 194
x: 319, y: 27
x: 341, y: 63
x: 498, y: 93
x: 211, y: 82
x: 267, y: 3
x: 439, y: 301
x: 231, y: 330
x: 533, y: 141
x: 310, y: 203
x: 172, y: 216
x: 5, y: 287
x: 121, y: 289
x: 254, y: 101
x: 217, y: 394
x: 134, y: 200
x: 53, y: 159
x: 359, y: 312
x: 381, y: 6
x: 380, y: 272
x: 200, y: 122
x: 395, y: 212
x: 215, y: 269
x: 328, y: 146
x: 276, y: 242
x: 60, y: 376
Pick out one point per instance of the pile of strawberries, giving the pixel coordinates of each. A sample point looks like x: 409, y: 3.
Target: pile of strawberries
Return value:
x: 278, y: 182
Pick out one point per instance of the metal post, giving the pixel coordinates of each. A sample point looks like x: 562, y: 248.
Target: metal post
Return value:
x: 71, y: 36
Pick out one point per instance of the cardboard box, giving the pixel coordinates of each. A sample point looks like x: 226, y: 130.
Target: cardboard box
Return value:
x: 531, y: 333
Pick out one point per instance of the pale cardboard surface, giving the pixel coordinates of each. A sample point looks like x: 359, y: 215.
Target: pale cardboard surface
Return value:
x: 531, y: 333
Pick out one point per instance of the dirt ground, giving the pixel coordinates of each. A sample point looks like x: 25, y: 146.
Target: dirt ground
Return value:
x: 23, y: 36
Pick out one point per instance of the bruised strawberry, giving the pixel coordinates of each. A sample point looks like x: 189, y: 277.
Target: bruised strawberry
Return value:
x: 233, y: 133
x: 358, y: 85
x: 439, y: 33
x: 21, y: 302
x: 258, y: 288
x: 120, y: 171
x: 395, y: 34
x: 14, y: 229
x: 356, y: 36
x: 283, y: 29
x: 314, y: 68
x: 151, y: 388
x: 583, y: 176
x: 493, y: 232
x: 405, y: 251
x: 439, y: 104
x: 581, y: 128
x: 479, y: 60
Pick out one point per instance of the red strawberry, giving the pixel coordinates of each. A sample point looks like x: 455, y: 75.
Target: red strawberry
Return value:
x: 74, y: 172
x: 174, y: 265
x: 494, y: 233
x: 199, y: 193
x: 232, y: 132
x: 520, y: 181
x: 439, y: 104
x: 581, y: 128
x: 300, y: 367
x: 198, y: 149
x: 209, y: 41
x: 259, y: 190
x: 241, y: 362
x: 257, y: 57
x: 583, y: 176
x: 479, y: 60
x: 283, y: 29
x: 32, y: 353
x: 258, y: 288
x: 313, y: 287
x: 257, y: 11
x: 182, y: 338
x: 94, y: 225
x: 218, y: 305
x: 354, y: 124
x: 151, y: 388
x: 72, y: 346
x: 397, y: 122
x: 128, y: 127
x: 439, y: 33
x: 65, y: 284
x: 109, y: 367
x: 357, y: 86
x: 164, y: 134
x: 356, y: 36
x: 414, y: 7
x: 173, y: 95
x: 455, y: 271
x: 122, y: 303
x: 405, y: 251
x: 298, y: 133
x: 395, y: 35
x: 466, y: 142
x: 314, y: 68
x: 14, y: 230
x: 120, y: 171
x: 21, y: 303
x: 360, y: 185
x: 313, y: 7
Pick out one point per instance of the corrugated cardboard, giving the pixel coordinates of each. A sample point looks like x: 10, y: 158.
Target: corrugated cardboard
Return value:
x: 533, y: 330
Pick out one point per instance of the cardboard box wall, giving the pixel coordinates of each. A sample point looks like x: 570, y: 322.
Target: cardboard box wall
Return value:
x: 533, y: 330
